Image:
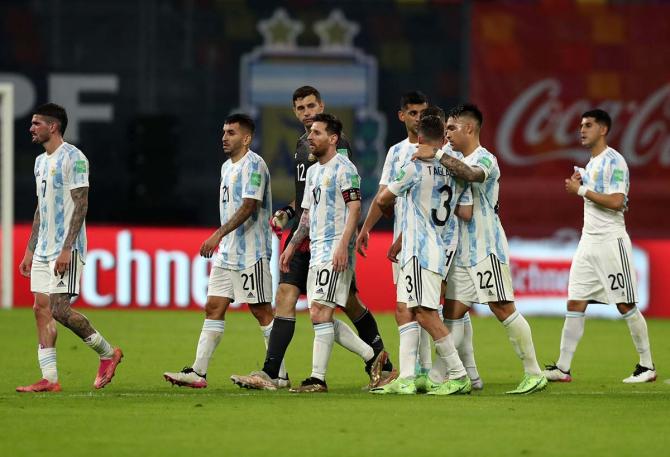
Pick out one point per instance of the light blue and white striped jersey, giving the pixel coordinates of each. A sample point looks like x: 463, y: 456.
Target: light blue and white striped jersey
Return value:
x: 463, y: 196
x: 396, y: 157
x: 606, y: 173
x: 432, y: 194
x: 56, y: 175
x: 328, y: 211
x: 483, y: 235
x: 247, y: 178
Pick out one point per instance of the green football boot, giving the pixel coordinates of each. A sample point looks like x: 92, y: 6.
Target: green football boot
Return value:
x: 530, y: 384
x: 398, y: 387
x: 461, y: 386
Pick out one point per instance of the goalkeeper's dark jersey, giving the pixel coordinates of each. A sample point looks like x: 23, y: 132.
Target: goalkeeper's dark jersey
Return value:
x: 303, y: 162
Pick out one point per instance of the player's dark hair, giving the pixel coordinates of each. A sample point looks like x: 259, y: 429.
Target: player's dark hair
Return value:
x: 468, y: 110
x: 306, y: 91
x: 433, y: 110
x: 431, y: 128
x: 601, y: 118
x: 245, y: 121
x: 414, y: 97
x: 333, y: 124
x: 56, y: 112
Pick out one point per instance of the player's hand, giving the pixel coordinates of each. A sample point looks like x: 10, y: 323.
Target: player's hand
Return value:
x: 576, y: 176
x: 393, y: 251
x: 26, y: 264
x: 340, y: 257
x: 277, y: 229
x: 572, y: 186
x: 208, y: 248
x: 362, y: 242
x: 63, y: 261
x: 424, y: 152
x: 285, y: 257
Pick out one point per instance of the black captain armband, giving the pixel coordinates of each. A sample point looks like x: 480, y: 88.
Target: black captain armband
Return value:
x: 290, y: 212
x: 351, y: 195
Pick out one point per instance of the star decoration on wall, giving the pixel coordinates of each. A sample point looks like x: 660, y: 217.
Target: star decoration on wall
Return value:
x: 280, y: 31
x: 336, y: 32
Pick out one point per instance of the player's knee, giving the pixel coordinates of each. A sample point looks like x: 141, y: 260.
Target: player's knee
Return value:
x: 285, y: 300
x: 215, y: 308
x: 625, y: 307
x: 402, y: 314
x: 262, y: 312
x: 578, y: 306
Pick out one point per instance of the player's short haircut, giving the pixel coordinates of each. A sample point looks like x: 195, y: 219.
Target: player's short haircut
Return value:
x: 468, y: 110
x: 414, y: 97
x: 245, y: 121
x: 601, y: 118
x: 333, y: 124
x: 433, y: 110
x: 306, y: 91
x: 431, y: 128
x: 54, y: 111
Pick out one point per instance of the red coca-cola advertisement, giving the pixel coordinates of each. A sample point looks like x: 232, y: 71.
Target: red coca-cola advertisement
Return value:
x: 533, y: 92
x: 159, y: 268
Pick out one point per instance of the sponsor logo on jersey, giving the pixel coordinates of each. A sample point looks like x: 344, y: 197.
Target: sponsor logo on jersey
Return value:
x: 343, y: 151
x: 617, y: 176
x: 255, y: 179
x: 401, y: 174
x: 485, y: 161
x: 80, y: 166
x: 356, y: 181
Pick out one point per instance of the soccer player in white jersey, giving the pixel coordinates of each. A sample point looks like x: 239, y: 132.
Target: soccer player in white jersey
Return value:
x: 56, y: 251
x: 412, y: 105
x: 241, y: 269
x: 433, y: 198
x: 423, y: 259
x: 481, y: 273
x: 602, y: 269
x: 332, y: 207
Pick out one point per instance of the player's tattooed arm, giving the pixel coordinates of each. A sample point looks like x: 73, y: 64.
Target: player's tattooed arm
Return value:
x: 460, y: 169
x: 32, y: 242
x: 303, y: 229
x: 208, y: 247
x: 80, y: 200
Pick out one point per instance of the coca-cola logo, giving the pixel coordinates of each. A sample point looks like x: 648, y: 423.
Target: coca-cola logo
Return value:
x: 539, y: 126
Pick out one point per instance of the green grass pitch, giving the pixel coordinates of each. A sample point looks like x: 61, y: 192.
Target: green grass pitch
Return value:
x: 139, y: 414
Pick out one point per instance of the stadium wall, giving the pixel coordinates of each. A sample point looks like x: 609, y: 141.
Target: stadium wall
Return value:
x: 159, y: 268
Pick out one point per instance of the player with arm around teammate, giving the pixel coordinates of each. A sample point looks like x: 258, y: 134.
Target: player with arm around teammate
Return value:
x: 241, y: 269
x: 56, y: 251
x: 601, y: 270
x: 481, y: 273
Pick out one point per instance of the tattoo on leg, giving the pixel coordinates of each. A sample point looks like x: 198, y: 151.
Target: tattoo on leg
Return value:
x: 75, y: 321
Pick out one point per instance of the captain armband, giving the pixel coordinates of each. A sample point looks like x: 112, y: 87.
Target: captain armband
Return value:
x: 351, y: 195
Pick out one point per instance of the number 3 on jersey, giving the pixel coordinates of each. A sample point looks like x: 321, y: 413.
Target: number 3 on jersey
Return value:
x: 445, y: 204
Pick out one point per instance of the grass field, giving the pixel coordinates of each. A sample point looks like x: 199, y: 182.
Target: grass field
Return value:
x: 140, y: 414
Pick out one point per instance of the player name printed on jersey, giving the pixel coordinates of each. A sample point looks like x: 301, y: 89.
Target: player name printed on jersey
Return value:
x: 396, y: 157
x: 431, y: 194
x: 606, y: 173
x: 324, y: 188
x: 247, y: 178
x: 56, y: 175
x: 483, y: 235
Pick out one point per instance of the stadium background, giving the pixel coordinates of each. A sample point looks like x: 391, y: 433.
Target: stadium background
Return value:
x: 147, y: 85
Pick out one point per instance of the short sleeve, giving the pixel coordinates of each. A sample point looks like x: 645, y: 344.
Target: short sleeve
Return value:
x: 407, y: 177
x: 618, y: 178
x: 388, y: 165
x: 484, y: 162
x: 76, y: 171
x: 307, y: 194
x: 348, y: 178
x: 254, y: 180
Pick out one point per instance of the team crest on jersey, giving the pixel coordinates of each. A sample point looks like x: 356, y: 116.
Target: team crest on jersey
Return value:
x: 326, y: 180
x: 345, y: 75
x: 53, y: 172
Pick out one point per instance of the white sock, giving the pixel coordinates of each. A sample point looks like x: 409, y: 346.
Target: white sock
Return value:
x: 461, y: 332
x: 425, y: 351
x: 324, y: 338
x: 100, y: 345
x: 210, y: 337
x: 448, y: 356
x: 638, y: 331
x: 573, y: 329
x: 267, y: 329
x: 409, y: 344
x: 346, y: 338
x: 47, y: 359
x: 518, y: 332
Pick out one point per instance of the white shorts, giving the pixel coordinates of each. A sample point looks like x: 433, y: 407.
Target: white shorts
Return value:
x: 488, y: 281
x: 396, y: 270
x: 328, y: 287
x: 251, y: 285
x: 43, y: 280
x: 418, y: 286
x: 602, y: 271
